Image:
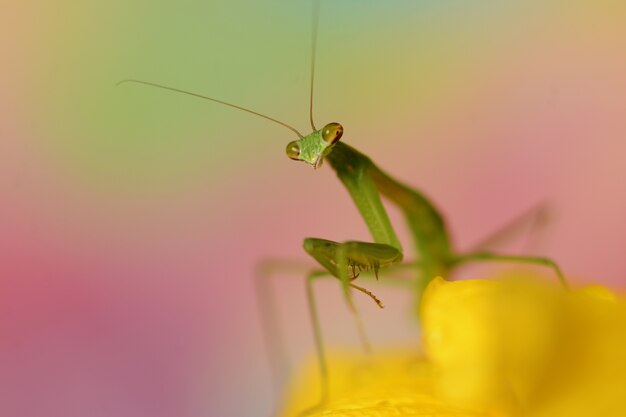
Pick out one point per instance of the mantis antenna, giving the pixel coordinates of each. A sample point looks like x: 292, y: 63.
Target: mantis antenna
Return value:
x: 315, y: 24
x: 212, y: 99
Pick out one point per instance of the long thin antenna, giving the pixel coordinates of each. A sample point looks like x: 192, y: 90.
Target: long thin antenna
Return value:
x: 315, y: 23
x: 212, y: 99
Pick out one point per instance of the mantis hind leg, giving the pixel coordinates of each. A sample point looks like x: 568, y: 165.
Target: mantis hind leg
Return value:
x: 525, y: 224
x: 533, y: 260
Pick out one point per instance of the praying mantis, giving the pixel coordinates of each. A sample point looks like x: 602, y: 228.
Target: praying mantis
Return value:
x: 367, y: 185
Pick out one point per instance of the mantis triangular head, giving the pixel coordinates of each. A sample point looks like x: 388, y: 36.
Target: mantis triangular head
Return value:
x: 314, y: 147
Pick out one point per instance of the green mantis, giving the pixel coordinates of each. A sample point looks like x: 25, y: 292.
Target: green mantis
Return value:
x: 366, y: 184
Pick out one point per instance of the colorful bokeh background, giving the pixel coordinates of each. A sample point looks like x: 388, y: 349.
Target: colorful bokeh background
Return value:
x: 131, y: 219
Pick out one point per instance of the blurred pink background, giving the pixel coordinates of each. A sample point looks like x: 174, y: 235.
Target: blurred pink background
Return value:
x: 131, y: 219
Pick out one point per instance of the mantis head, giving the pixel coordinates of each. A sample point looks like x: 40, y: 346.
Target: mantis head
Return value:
x: 314, y: 147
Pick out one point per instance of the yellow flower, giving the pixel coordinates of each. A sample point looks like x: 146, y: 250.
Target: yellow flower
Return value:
x: 522, y: 347
x: 512, y: 347
x: 397, y: 382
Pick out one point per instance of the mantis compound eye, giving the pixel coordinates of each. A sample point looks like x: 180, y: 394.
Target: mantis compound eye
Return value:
x: 293, y: 150
x: 332, y: 132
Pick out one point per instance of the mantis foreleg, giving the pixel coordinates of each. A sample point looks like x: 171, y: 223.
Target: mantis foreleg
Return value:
x: 346, y: 260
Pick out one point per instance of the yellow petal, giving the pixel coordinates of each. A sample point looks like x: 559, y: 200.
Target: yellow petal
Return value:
x: 500, y: 348
x: 524, y: 347
x: 392, y: 383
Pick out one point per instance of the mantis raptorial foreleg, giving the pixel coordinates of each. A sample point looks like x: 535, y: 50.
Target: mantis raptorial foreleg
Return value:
x: 347, y: 259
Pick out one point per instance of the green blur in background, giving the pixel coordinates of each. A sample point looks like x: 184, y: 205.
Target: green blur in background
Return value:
x: 134, y: 139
